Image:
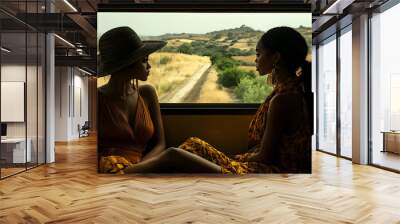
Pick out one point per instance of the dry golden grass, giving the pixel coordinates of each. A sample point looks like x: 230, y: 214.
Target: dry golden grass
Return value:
x: 178, y: 42
x: 222, y: 39
x: 200, y: 38
x: 242, y: 44
x: 249, y: 59
x: 186, y: 40
x: 248, y: 68
x: 165, y: 77
x: 212, y: 92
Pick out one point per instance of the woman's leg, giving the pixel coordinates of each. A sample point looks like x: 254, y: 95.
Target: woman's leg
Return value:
x: 203, y: 149
x: 175, y: 159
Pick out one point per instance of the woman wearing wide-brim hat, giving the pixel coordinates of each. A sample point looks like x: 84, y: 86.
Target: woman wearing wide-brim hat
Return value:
x: 130, y: 129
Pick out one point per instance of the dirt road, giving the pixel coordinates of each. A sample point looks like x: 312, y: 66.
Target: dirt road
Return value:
x: 184, y: 92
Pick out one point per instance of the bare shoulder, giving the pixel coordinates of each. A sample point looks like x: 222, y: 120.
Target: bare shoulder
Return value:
x: 148, y: 92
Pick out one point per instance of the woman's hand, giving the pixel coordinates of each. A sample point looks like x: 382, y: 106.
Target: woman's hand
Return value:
x: 238, y: 157
x: 243, y: 157
x: 253, y: 157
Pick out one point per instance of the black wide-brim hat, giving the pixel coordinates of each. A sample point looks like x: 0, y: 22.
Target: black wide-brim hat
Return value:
x: 121, y: 47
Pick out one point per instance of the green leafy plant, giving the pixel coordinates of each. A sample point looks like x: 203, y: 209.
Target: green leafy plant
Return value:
x: 230, y: 77
x: 252, y: 89
x: 165, y: 60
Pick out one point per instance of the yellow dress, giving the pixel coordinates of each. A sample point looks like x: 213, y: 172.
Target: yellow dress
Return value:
x: 228, y: 165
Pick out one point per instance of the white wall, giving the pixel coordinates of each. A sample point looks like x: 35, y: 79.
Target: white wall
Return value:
x: 71, y: 94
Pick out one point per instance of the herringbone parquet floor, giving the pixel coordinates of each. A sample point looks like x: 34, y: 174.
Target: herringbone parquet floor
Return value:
x: 70, y: 191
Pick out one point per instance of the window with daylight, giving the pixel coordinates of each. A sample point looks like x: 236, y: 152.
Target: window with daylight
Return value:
x: 209, y: 57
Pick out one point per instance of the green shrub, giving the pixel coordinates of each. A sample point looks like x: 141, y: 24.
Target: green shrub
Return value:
x: 234, y: 51
x: 217, y: 36
x: 168, y: 49
x: 185, y: 48
x: 165, y: 60
x: 253, y: 89
x: 230, y: 35
x: 197, y: 43
x: 223, y: 63
x: 231, y: 77
x: 216, y: 57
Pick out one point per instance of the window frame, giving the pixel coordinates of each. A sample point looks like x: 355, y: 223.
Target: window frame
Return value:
x: 208, y: 108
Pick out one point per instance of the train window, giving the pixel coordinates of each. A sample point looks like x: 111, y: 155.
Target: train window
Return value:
x: 209, y: 57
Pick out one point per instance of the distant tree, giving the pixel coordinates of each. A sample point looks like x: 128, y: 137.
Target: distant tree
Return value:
x: 231, y: 77
x: 185, y: 48
x: 223, y: 63
x: 230, y: 35
x: 218, y: 36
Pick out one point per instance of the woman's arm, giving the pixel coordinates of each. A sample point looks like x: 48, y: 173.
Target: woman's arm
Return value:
x: 279, y: 112
x: 158, y: 140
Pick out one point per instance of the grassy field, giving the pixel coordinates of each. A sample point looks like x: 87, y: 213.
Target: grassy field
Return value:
x: 244, y: 44
x: 248, y: 59
x: 211, y: 91
x: 178, y: 42
x: 169, y: 70
x: 249, y: 69
x: 200, y: 38
x: 165, y: 77
x: 221, y: 39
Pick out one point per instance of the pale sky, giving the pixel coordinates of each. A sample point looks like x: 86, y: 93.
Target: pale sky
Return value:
x: 158, y: 23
